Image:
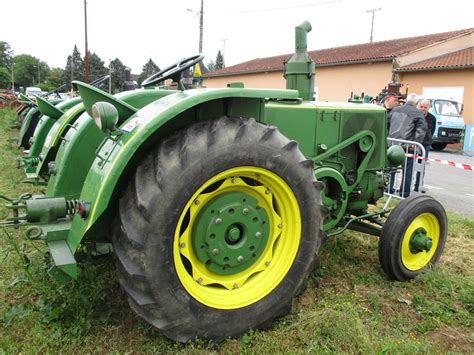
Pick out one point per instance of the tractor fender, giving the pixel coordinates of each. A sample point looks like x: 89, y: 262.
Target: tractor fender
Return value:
x: 159, y: 119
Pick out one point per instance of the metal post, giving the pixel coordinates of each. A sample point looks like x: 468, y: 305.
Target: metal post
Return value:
x: 39, y: 77
x: 110, y: 76
x: 13, y: 81
x: 201, y: 25
x: 87, y: 51
x: 223, y: 46
x: 372, y: 26
x: 72, y: 71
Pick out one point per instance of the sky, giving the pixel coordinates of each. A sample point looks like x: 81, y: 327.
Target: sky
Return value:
x: 167, y: 31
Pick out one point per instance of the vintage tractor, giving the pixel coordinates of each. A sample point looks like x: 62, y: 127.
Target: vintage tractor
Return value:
x: 50, y: 135
x: 216, y: 201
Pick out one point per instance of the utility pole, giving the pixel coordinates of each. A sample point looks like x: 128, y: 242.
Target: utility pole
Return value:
x: 72, y: 72
x: 223, y: 51
x: 372, y: 27
x: 87, y: 51
x: 201, y: 25
x: 110, y: 76
x: 13, y: 80
x: 223, y: 46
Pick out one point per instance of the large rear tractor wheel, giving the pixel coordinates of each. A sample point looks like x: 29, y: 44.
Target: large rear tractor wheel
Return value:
x: 413, y: 237
x: 218, y: 230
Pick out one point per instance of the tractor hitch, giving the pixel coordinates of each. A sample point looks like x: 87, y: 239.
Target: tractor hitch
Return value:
x: 40, y: 209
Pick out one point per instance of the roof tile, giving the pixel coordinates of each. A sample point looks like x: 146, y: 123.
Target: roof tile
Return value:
x: 358, y: 53
x: 461, y: 59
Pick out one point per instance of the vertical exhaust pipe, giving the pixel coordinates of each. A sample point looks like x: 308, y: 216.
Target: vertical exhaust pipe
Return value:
x: 299, y: 69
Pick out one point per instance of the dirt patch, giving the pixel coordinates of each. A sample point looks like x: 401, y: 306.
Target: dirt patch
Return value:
x: 454, y: 339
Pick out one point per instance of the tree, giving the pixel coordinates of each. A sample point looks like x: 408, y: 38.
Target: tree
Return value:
x: 75, y: 69
x: 5, y: 78
x: 148, y: 69
x: 97, y: 67
x: 219, y: 61
x: 211, y: 65
x: 118, y: 74
x: 6, y: 55
x: 29, y: 70
x: 55, y: 77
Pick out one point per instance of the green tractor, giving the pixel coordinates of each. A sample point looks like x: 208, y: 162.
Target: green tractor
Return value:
x: 216, y: 201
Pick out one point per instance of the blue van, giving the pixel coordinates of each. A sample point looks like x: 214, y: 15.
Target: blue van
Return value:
x: 450, y: 125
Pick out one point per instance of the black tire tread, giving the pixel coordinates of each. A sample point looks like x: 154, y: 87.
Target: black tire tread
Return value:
x: 395, y: 227
x: 137, y: 208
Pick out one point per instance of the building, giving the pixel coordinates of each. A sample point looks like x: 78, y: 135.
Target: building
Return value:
x: 431, y: 61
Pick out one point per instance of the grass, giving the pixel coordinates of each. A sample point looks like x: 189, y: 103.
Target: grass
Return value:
x: 349, y: 306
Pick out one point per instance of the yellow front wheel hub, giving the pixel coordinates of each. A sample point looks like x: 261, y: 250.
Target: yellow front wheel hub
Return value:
x: 413, y: 259
x: 261, y: 197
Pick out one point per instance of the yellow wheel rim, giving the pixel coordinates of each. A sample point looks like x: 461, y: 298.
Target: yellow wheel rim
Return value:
x: 265, y: 274
x: 416, y: 261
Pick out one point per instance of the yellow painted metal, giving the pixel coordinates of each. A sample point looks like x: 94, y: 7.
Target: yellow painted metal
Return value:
x: 417, y: 261
x: 263, y: 276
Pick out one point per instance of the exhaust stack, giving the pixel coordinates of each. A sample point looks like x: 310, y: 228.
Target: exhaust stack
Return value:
x: 299, y: 69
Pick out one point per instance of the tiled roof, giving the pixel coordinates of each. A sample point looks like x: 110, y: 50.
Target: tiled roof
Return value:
x: 358, y: 53
x: 462, y: 59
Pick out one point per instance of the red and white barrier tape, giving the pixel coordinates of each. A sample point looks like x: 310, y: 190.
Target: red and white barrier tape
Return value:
x: 445, y: 162
x: 452, y: 163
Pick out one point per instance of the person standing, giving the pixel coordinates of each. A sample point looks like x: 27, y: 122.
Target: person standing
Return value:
x: 407, y: 123
x: 424, y: 105
x: 390, y: 102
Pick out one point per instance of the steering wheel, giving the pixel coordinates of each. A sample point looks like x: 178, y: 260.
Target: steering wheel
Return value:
x: 99, y: 81
x: 173, y: 71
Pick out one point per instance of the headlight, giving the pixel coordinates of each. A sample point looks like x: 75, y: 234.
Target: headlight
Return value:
x: 105, y: 116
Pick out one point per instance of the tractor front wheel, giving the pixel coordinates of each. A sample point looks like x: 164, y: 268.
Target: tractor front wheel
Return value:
x: 218, y: 230
x: 413, y: 237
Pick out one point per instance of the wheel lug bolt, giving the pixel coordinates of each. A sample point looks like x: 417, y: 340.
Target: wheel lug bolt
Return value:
x: 234, y: 180
x: 267, y: 263
x: 240, y: 258
x: 218, y: 221
x: 199, y: 280
x: 235, y: 286
x: 267, y: 192
x: 280, y: 225
x: 215, y: 251
x: 182, y: 245
x: 197, y: 202
x: 258, y: 235
x: 245, y: 211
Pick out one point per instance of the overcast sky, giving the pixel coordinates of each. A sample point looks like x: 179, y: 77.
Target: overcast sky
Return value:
x: 167, y: 31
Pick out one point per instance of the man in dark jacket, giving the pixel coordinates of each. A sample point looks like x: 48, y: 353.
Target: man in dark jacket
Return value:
x: 407, y: 123
x: 424, y: 106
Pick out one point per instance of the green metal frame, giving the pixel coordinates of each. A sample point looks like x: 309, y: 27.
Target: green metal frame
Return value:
x: 158, y: 118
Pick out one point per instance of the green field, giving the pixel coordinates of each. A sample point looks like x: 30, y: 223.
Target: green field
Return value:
x: 349, y: 305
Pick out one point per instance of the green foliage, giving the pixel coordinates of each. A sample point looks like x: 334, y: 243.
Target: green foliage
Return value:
x: 217, y: 64
x: 55, y: 77
x: 148, y: 69
x: 29, y: 70
x: 211, y: 65
x: 6, y: 55
x: 97, y: 68
x: 118, y: 75
x: 219, y: 61
x: 45, y: 86
x: 75, y: 69
x: 5, y: 78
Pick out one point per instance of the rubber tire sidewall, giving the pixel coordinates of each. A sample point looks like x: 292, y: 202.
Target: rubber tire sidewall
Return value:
x: 393, y: 231
x: 174, y: 302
